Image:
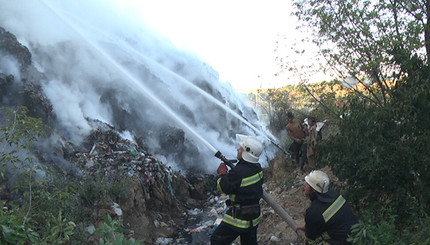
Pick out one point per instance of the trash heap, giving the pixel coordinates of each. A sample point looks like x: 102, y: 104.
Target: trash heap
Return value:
x: 164, y: 207
x: 201, y: 222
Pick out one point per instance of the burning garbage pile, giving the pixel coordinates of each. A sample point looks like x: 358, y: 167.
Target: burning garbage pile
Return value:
x: 110, y: 155
x: 165, y: 206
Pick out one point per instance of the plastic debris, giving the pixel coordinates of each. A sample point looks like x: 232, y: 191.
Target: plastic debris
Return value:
x: 194, y: 211
x: 213, y: 213
x: 163, y: 241
x: 274, y: 239
x: 90, y: 229
x: 164, y: 224
x: 116, y: 209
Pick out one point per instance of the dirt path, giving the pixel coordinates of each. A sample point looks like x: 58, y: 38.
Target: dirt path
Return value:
x: 284, y: 184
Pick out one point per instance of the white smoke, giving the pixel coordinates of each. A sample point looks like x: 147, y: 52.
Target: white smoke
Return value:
x: 101, y: 62
x: 9, y: 65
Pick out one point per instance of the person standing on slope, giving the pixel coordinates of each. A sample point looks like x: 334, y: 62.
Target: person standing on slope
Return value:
x: 243, y: 183
x: 296, y: 133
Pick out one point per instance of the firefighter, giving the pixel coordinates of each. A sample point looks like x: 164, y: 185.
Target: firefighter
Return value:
x: 243, y: 183
x: 329, y: 218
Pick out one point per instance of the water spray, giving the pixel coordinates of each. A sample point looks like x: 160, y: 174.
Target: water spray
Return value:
x: 190, y: 84
x: 134, y: 80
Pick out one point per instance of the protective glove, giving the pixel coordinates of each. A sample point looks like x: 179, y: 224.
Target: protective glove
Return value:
x: 222, y: 169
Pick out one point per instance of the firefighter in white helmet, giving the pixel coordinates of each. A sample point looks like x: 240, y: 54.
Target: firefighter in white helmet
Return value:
x: 243, y: 183
x: 329, y: 218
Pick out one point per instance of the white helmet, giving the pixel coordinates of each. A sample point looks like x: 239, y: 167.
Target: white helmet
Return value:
x: 251, y: 146
x: 318, y: 180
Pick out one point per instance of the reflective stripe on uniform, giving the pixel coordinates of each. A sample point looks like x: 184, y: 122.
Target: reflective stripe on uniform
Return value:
x: 218, y: 186
x: 240, y: 222
x: 334, y: 207
x: 251, y: 179
x: 232, y: 197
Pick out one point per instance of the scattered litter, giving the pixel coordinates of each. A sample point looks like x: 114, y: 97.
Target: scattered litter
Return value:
x: 194, y: 211
x: 163, y: 241
x: 162, y: 224
x: 274, y: 239
x: 116, y: 209
x: 191, y: 230
x: 213, y: 213
x: 218, y: 221
x: 90, y: 229
x: 220, y: 210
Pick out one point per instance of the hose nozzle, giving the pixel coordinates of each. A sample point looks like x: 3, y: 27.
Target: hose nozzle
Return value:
x: 219, y: 155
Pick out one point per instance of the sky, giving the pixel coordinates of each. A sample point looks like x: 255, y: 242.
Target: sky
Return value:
x: 237, y: 38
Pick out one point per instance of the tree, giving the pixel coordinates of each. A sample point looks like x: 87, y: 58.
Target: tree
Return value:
x: 381, y: 149
x: 273, y: 104
x: 358, y: 38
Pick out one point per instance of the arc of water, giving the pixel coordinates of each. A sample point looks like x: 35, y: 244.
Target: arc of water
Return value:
x: 209, y: 97
x: 131, y: 78
x: 190, y: 84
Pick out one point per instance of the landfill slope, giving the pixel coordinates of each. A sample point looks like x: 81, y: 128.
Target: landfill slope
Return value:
x: 165, y: 207
x: 159, y: 195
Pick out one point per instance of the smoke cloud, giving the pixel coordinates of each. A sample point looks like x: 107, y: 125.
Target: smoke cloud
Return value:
x: 99, y: 61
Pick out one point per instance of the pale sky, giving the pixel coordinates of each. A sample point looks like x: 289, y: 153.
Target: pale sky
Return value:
x: 237, y: 38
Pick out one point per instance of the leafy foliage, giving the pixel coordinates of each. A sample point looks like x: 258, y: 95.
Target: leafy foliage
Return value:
x: 20, y: 129
x: 357, y: 38
x: 272, y: 104
x: 13, y: 231
x: 19, y: 132
x: 50, y: 209
x: 100, y: 190
x: 382, y: 230
x: 383, y: 154
x: 113, y: 234
x: 381, y: 149
x: 28, y: 223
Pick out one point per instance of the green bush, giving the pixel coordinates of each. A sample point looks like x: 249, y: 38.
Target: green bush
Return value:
x: 112, y: 233
x: 101, y: 190
x: 373, y: 229
x: 382, y: 153
x: 54, y: 210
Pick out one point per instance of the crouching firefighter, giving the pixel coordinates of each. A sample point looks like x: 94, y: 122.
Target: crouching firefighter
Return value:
x: 329, y: 218
x: 243, y: 183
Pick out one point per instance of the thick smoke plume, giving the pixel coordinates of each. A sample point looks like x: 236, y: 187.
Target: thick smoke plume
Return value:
x: 98, y: 61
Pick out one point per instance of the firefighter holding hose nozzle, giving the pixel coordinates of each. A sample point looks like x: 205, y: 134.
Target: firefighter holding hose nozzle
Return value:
x: 243, y: 183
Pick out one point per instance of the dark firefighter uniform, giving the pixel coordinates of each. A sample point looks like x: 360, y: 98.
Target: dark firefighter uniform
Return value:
x: 243, y: 184
x: 328, y: 219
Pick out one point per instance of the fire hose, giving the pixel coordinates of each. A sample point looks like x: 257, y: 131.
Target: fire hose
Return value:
x: 269, y: 200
